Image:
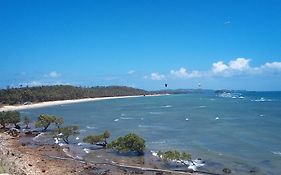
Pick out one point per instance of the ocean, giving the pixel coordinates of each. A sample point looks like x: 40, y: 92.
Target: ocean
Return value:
x: 240, y: 131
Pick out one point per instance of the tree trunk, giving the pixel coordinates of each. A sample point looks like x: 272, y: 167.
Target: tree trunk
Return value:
x: 45, y: 128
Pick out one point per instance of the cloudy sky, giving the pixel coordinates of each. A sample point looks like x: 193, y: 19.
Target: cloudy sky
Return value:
x: 231, y: 44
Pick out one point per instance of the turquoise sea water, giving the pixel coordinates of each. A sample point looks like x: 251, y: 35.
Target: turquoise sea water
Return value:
x: 240, y: 131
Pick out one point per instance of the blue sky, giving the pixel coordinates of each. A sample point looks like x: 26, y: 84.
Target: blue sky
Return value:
x: 234, y: 44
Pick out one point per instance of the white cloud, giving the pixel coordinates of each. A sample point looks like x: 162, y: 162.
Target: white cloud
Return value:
x: 181, y: 73
x: 272, y: 65
x: 219, y: 67
x: 156, y: 76
x: 195, y: 74
x: 43, y: 83
x: 234, y: 66
x: 226, y: 22
x: 52, y: 74
x: 131, y: 72
x: 239, y: 64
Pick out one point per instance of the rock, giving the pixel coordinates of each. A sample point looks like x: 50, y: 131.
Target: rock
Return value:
x: 13, y: 132
x: 226, y: 170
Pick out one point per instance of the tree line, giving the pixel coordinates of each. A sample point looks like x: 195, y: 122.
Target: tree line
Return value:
x: 23, y: 95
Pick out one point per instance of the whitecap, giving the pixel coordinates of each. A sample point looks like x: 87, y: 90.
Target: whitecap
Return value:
x: 276, y: 153
x: 202, y: 106
x: 217, y: 118
x: 39, y: 135
x: 126, y: 118
x: 60, y: 134
x: 91, y: 127
x: 154, y: 153
x: 186, y: 119
x: 86, y: 150
x: 261, y: 115
x: 155, y: 113
x: 159, y: 142
x: 61, y: 144
x: 79, y: 144
x: 56, y: 140
x: 241, y: 97
x: 77, y: 138
x: 116, y: 120
x: 145, y: 126
x: 167, y: 106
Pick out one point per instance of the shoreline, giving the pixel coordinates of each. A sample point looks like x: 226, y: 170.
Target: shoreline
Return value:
x: 62, y: 102
x: 21, y: 158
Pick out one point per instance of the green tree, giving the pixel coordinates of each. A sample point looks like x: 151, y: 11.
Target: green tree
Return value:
x: 129, y: 143
x: 13, y: 117
x: 175, y: 155
x: 3, y: 119
x: 65, y: 132
x: 59, y: 121
x: 97, y: 139
x: 45, y: 121
x: 26, y: 121
x: 10, y: 117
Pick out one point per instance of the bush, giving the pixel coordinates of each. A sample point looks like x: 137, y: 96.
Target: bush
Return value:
x: 65, y: 132
x: 45, y: 121
x: 96, y: 139
x: 129, y: 143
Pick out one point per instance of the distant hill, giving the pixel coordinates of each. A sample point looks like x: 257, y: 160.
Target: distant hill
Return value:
x: 63, y: 92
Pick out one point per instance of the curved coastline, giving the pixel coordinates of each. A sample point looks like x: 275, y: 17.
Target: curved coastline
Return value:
x: 62, y: 102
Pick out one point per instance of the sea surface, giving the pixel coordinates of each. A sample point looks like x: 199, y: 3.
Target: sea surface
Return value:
x: 240, y: 131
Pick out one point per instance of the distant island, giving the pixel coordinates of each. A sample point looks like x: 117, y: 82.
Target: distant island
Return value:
x: 27, y: 95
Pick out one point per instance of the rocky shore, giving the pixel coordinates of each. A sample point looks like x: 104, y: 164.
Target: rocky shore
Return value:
x: 19, y: 158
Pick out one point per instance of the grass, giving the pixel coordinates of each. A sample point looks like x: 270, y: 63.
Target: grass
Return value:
x: 1, y: 168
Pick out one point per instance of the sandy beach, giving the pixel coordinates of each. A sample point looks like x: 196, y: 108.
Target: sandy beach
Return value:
x: 61, y: 102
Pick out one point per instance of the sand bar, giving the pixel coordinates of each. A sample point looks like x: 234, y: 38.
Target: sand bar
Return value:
x: 61, y: 102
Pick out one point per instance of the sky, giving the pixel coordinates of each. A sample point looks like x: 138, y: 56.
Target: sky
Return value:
x: 219, y: 44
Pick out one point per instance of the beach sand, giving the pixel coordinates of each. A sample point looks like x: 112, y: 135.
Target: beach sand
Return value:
x: 60, y: 102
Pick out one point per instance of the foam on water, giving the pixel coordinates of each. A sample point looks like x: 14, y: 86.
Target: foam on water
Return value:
x: 126, y: 118
x: 155, y: 113
x: 91, y: 127
x: 86, y: 150
x: 38, y: 136
x: 276, y: 153
x: 167, y: 106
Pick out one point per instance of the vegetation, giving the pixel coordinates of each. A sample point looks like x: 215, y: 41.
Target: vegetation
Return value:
x: 2, y: 169
x: 174, y: 155
x: 63, y: 92
x: 129, y: 143
x: 99, y: 140
x: 45, y: 121
x: 26, y: 121
x: 58, y: 121
x: 65, y: 132
x: 9, y: 117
